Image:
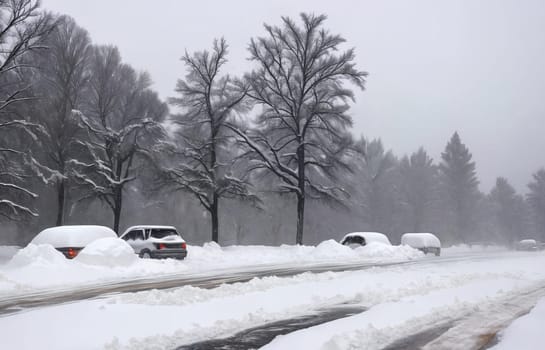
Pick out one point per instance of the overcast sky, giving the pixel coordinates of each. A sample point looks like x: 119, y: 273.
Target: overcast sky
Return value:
x: 435, y: 67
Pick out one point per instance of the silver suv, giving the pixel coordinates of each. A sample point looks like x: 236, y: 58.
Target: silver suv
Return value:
x: 155, y: 241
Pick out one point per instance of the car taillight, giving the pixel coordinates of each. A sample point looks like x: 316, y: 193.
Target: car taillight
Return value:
x: 162, y: 246
x: 184, y: 246
x: 72, y: 253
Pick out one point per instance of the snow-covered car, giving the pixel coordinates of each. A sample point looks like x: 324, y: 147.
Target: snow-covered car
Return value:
x: 150, y: 241
x: 70, y: 239
x: 527, y: 244
x: 425, y: 242
x: 358, y: 239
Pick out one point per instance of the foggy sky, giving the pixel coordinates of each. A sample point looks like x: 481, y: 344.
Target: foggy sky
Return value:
x: 476, y: 67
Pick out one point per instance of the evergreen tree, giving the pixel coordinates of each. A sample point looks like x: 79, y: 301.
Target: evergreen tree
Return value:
x: 536, y: 199
x: 508, y: 210
x: 459, y: 186
x: 418, y: 189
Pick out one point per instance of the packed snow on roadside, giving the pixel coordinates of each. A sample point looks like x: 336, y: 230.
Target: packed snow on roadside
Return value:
x: 111, y: 259
x: 474, y: 248
x: 400, y: 301
x: 525, y: 332
x: 108, y: 252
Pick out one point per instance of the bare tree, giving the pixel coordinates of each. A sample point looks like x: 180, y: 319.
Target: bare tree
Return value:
x: 123, y: 119
x: 205, y: 160
x: 61, y: 85
x: 302, y: 130
x: 22, y: 26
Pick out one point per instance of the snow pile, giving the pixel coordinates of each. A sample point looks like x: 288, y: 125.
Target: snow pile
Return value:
x: 471, y: 248
x: 41, y: 255
x: 112, y: 260
x: 7, y: 252
x: 109, y: 252
x: 526, y: 332
x: 72, y: 235
x: 332, y: 249
x: 379, y: 250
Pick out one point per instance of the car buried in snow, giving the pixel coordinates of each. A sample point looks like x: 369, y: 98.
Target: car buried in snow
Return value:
x: 527, y: 245
x: 151, y: 241
x: 71, y: 239
x: 425, y: 242
x: 358, y: 239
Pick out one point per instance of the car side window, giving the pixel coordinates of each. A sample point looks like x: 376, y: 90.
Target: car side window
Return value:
x: 139, y: 234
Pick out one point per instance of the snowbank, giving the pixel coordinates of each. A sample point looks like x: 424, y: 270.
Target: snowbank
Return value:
x: 109, y: 252
x: 473, y: 248
x: 72, y: 235
x: 111, y: 259
x: 379, y: 250
x: 7, y: 252
x: 42, y: 255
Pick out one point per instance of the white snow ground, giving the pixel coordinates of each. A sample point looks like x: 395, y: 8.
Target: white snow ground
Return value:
x: 41, y: 267
x: 401, y: 301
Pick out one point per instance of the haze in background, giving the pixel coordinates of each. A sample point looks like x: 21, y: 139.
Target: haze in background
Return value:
x: 477, y: 67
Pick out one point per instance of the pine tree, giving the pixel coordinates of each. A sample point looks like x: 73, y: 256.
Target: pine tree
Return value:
x: 460, y: 187
x: 508, y: 210
x: 418, y: 188
x: 536, y: 199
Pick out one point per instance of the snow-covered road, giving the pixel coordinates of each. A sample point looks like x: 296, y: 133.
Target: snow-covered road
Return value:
x: 399, y: 302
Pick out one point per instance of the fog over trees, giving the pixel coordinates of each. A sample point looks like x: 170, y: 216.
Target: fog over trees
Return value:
x: 265, y: 158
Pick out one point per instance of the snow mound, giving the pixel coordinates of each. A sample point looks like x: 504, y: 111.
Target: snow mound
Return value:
x: 38, y: 255
x: 332, y: 249
x: 108, y: 251
x: 380, y: 250
x: 8, y: 251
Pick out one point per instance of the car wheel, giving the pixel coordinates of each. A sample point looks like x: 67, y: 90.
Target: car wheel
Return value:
x: 145, y: 254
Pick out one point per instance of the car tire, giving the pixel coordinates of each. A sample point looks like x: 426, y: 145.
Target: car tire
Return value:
x: 145, y: 254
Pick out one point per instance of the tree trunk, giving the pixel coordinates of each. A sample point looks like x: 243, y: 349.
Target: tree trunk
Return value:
x: 301, y: 194
x: 61, y: 195
x: 215, y: 217
x: 117, y: 209
x: 300, y: 218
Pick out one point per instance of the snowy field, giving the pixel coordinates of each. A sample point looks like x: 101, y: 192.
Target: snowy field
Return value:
x: 400, y: 301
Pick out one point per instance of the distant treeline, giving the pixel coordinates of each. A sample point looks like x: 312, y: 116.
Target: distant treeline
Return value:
x: 265, y: 158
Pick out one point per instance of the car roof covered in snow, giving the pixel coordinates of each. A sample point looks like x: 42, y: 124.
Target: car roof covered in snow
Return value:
x: 369, y: 237
x: 72, y: 235
x: 420, y: 240
x: 528, y: 241
x: 145, y: 227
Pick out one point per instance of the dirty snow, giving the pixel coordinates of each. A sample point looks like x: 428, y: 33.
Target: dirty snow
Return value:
x: 526, y: 332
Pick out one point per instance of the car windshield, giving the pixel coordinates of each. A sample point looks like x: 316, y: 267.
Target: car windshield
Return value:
x: 354, y: 240
x: 161, y: 233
